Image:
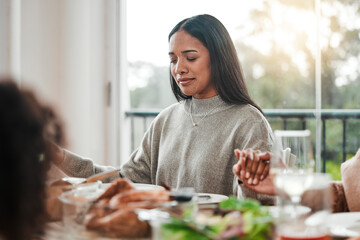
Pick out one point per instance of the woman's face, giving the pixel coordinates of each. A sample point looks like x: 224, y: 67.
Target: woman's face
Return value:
x: 190, y: 65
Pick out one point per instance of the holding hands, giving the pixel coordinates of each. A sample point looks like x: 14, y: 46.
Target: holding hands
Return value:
x: 253, y: 169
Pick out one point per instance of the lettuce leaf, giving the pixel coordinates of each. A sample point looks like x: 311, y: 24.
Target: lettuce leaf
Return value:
x: 252, y: 222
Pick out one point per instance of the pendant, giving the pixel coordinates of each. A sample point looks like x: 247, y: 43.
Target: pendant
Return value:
x: 194, y: 124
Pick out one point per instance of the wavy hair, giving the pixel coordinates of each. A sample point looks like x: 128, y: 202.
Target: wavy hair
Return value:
x: 25, y: 128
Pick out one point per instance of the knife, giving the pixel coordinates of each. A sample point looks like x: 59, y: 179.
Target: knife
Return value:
x: 100, y: 176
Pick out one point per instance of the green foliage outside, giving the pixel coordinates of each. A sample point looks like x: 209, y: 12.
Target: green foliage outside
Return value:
x: 333, y: 167
x: 334, y: 170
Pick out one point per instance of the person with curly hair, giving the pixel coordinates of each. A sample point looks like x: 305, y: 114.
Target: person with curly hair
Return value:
x: 26, y: 131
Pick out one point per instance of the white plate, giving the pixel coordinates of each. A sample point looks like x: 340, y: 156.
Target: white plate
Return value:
x: 138, y: 186
x: 73, y: 180
x: 90, y: 191
x: 202, y: 198
x: 276, y: 210
x: 206, y: 198
x: 143, y: 186
x: 344, y: 224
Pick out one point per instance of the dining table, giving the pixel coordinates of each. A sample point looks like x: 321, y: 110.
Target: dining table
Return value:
x: 55, y: 231
x: 206, y: 204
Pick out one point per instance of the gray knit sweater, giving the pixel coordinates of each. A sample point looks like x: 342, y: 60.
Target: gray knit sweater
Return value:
x: 176, y: 153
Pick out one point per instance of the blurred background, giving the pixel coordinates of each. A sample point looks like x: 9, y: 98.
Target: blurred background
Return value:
x: 104, y: 66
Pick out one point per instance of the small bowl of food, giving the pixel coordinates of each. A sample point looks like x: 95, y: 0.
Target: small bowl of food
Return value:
x: 76, y: 202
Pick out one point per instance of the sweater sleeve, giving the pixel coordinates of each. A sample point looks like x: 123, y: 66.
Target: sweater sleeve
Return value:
x: 338, y: 199
x: 259, y: 137
x: 351, y: 181
x: 138, y: 167
x: 78, y: 166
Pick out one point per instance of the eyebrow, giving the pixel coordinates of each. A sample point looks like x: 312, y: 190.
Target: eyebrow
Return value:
x: 186, y: 51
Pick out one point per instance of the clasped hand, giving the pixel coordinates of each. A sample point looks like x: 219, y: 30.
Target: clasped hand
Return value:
x: 252, y: 169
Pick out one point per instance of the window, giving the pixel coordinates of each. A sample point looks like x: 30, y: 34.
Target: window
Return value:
x: 74, y: 51
x: 277, y: 47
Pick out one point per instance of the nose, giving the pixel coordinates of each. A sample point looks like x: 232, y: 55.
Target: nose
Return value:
x: 180, y: 67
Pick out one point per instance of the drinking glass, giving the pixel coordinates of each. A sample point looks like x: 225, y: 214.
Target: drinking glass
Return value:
x: 292, y: 164
x: 315, y: 208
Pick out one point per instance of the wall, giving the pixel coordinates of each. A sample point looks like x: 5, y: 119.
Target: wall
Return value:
x: 68, y: 54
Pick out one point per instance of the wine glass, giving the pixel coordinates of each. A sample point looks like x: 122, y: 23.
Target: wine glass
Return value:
x: 292, y: 163
x: 310, y: 225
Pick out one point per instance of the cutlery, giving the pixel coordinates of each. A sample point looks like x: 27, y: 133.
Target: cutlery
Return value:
x: 100, y: 176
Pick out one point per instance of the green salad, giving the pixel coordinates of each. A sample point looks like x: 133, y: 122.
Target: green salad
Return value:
x: 234, y: 219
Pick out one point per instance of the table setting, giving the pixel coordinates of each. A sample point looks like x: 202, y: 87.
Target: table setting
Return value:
x: 195, y: 216
x: 172, y: 218
x: 122, y: 209
x: 304, y: 196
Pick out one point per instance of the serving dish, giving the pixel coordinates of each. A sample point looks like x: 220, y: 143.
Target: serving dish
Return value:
x: 138, y: 186
x: 90, y: 212
x: 107, y: 211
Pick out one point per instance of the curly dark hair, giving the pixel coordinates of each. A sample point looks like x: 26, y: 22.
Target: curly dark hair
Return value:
x: 226, y: 72
x: 24, y: 150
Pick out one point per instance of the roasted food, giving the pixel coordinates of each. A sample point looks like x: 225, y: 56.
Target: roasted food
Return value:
x: 118, y: 186
x: 154, y: 196
x: 121, y: 223
x: 113, y: 213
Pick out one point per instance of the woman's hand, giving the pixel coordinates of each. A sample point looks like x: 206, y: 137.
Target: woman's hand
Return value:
x: 253, y: 169
x: 253, y: 166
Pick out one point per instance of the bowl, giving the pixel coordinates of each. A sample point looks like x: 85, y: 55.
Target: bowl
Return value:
x: 75, y: 204
x: 78, y: 207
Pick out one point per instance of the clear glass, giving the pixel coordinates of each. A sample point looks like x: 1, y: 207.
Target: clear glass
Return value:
x: 292, y: 164
x: 315, y: 208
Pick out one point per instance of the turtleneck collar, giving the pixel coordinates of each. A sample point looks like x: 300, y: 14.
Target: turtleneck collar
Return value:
x: 203, y: 106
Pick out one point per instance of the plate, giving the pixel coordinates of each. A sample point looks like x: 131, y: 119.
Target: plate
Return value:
x: 276, y: 210
x: 73, y: 180
x: 344, y: 224
x: 206, y: 198
x: 138, y: 186
x: 91, y: 191
x: 202, y: 198
x: 143, y: 186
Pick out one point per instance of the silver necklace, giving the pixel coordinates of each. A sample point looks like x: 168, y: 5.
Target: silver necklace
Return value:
x: 197, y: 123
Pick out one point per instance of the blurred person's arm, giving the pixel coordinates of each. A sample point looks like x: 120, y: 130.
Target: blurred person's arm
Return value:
x: 67, y: 164
x: 351, y: 181
x: 74, y: 165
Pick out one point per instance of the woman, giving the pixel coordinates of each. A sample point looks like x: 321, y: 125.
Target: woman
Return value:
x: 25, y: 127
x: 191, y: 143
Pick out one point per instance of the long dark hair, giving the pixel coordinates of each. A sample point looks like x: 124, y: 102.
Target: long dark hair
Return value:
x: 226, y: 72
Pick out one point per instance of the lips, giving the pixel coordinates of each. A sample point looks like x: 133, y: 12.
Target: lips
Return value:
x: 185, y: 81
